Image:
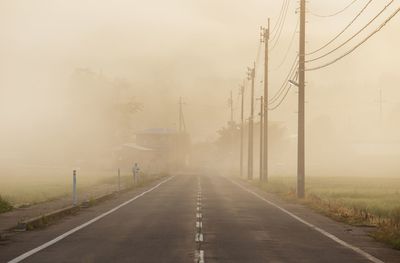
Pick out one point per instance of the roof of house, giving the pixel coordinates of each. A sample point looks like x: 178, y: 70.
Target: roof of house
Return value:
x: 156, y: 131
x: 137, y: 147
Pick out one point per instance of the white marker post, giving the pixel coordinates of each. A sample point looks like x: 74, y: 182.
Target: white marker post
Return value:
x: 74, y: 194
x: 135, y: 173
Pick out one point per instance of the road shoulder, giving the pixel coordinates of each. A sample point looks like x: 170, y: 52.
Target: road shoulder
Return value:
x: 354, y: 235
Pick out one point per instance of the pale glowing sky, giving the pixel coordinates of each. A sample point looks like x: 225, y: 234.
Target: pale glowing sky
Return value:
x: 196, y: 49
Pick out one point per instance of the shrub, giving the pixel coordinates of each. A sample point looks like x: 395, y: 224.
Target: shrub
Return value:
x: 5, y: 205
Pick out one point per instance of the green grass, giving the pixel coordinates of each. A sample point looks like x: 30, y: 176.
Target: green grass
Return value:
x: 27, y: 187
x: 354, y: 200
x: 5, y: 205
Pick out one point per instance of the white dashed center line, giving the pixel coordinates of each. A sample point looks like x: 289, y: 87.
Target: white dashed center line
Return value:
x: 199, y: 238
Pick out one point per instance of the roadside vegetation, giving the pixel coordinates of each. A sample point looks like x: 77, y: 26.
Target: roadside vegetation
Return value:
x: 372, y: 202
x: 25, y: 190
x: 5, y: 205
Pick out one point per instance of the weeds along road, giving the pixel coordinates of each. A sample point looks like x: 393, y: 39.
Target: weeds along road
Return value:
x: 192, y: 218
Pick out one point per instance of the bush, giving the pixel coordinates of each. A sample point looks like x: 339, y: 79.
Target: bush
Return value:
x: 5, y: 205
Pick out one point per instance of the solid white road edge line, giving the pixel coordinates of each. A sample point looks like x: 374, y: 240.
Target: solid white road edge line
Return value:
x: 70, y: 232
x: 320, y: 230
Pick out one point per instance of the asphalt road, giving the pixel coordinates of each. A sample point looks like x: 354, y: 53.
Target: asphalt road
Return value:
x: 193, y: 218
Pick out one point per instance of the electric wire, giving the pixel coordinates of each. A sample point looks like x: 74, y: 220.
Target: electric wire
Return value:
x: 275, y: 39
x: 352, y: 37
x: 281, y: 89
x: 289, y: 48
x: 284, y: 87
x: 358, y: 45
x: 279, y: 18
x: 274, y: 33
x: 284, y: 97
x: 344, y: 30
x: 278, y: 94
x: 336, y: 13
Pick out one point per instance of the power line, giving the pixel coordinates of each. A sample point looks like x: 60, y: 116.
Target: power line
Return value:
x: 280, y: 103
x: 341, y: 32
x: 289, y: 47
x: 336, y: 13
x: 352, y: 37
x: 358, y: 45
x: 279, y: 18
x: 278, y: 34
x: 284, y: 97
x: 282, y: 88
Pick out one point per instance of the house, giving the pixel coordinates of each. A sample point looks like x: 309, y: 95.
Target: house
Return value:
x: 155, y: 150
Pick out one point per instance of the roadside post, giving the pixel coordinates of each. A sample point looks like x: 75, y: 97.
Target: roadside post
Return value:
x: 135, y: 173
x: 74, y: 193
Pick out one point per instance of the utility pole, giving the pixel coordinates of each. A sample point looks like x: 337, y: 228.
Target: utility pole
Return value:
x: 261, y: 135
x: 251, y: 75
x: 180, y: 154
x: 231, y: 129
x: 231, y: 106
x: 241, y: 130
x: 182, y: 126
x: 301, y: 117
x: 264, y: 144
x: 381, y: 101
x: 380, y: 105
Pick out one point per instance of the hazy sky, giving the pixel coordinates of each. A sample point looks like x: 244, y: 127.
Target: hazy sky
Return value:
x: 195, y: 49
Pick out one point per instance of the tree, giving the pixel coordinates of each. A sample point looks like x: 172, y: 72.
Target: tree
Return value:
x: 101, y: 113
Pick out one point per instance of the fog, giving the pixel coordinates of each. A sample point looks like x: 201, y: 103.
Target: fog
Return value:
x: 139, y: 57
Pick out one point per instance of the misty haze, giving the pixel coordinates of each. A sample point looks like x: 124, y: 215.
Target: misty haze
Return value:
x: 199, y: 131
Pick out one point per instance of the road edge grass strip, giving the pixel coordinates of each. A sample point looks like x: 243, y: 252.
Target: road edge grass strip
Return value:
x: 46, y: 219
x: 385, y: 231
x: 51, y: 217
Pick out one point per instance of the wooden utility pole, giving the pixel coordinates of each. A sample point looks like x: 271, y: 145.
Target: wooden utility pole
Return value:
x: 231, y: 106
x: 261, y: 136
x: 381, y: 101
x: 301, y: 117
x: 380, y: 105
x: 264, y: 144
x: 251, y: 76
x: 241, y: 130
x: 180, y: 153
x: 182, y: 125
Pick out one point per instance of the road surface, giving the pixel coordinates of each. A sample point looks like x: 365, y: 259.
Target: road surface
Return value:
x: 193, y: 218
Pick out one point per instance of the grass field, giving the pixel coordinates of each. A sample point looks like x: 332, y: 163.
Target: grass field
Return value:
x: 355, y: 200
x: 30, y: 186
